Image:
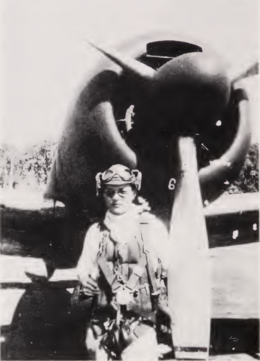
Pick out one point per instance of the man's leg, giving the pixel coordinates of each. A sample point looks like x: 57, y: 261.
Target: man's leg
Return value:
x: 95, y: 352
x: 144, y: 347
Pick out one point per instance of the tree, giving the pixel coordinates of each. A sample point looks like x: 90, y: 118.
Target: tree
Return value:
x: 248, y: 180
x: 40, y: 161
x: 34, y: 165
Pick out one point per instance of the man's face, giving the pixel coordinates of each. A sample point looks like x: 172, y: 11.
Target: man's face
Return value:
x: 118, y: 199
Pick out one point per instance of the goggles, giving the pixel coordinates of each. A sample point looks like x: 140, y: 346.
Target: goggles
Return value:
x: 118, y: 175
x: 123, y: 174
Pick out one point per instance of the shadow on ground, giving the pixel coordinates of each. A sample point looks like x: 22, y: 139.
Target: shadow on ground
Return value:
x: 44, y: 326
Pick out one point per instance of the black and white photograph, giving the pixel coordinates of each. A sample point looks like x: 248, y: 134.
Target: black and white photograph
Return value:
x: 129, y: 180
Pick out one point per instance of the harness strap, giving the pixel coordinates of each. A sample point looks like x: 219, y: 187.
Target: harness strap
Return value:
x: 150, y: 270
x: 112, y: 279
x: 122, y: 288
x: 136, y: 274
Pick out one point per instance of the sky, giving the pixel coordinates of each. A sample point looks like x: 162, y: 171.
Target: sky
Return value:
x: 45, y: 56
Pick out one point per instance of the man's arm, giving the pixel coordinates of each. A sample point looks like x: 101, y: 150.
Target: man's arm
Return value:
x: 87, y: 268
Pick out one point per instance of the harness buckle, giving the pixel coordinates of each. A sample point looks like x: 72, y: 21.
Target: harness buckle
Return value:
x: 146, y: 286
x: 124, y: 295
x: 156, y: 293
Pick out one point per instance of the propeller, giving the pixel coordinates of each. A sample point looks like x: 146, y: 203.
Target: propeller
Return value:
x: 186, y: 95
x: 164, y: 86
x: 248, y: 72
x: 128, y: 64
x: 146, y: 72
x: 190, y: 91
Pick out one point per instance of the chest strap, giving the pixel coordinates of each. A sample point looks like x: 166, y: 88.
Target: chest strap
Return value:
x: 150, y: 270
x: 115, y: 282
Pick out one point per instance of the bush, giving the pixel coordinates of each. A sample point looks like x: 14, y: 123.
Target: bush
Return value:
x: 248, y: 179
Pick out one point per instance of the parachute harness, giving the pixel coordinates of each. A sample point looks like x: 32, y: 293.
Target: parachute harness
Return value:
x: 120, y: 331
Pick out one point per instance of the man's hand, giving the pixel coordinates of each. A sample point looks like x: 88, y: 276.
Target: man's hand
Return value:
x: 90, y: 286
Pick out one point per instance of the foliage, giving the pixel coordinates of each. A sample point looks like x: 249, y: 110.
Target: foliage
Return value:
x: 33, y: 167
x: 248, y: 180
x: 39, y: 163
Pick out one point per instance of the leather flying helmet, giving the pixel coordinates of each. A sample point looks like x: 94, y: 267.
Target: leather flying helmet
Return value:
x: 118, y: 174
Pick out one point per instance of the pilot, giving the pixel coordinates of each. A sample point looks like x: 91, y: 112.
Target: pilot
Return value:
x: 122, y: 270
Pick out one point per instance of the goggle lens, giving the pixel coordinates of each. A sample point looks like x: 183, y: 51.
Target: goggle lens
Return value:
x: 125, y: 175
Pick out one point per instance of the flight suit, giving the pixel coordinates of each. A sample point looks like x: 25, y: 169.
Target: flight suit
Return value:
x: 130, y: 276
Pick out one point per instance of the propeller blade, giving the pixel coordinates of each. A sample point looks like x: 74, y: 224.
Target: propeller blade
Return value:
x: 189, y: 289
x: 127, y: 63
x: 251, y: 71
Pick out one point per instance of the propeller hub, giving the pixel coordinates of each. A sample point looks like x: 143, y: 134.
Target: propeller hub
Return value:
x: 191, y: 90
